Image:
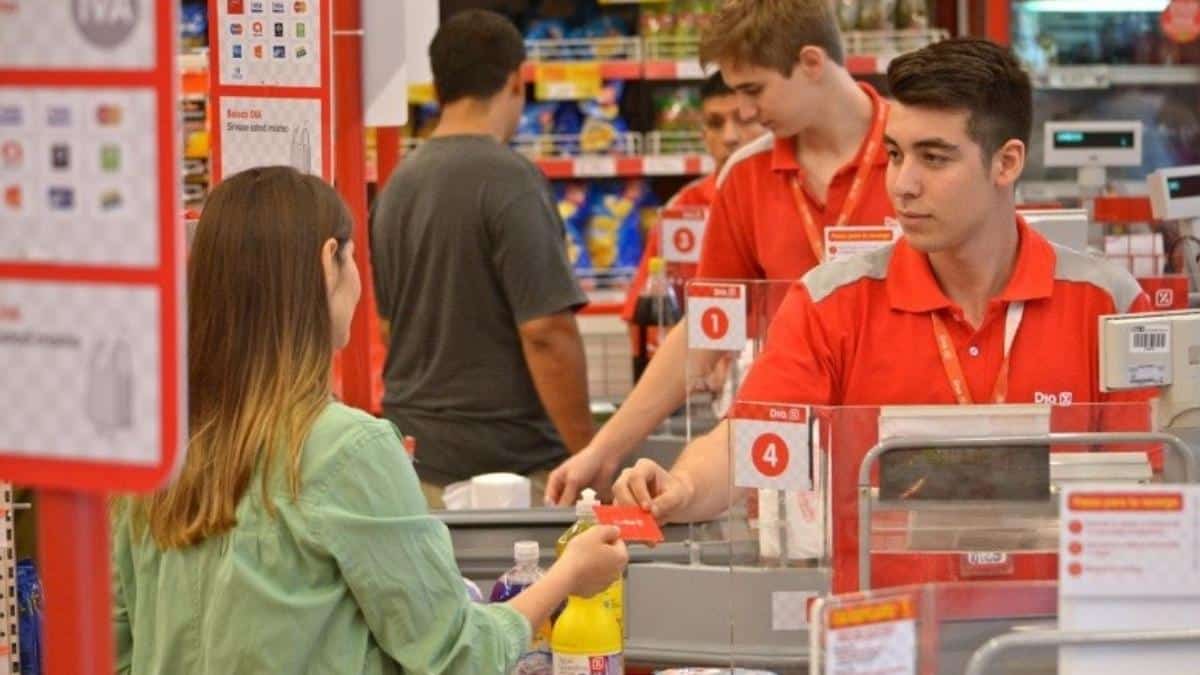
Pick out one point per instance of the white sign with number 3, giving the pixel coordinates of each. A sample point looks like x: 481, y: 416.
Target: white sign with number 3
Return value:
x: 716, y: 315
x: 770, y: 446
x: 682, y: 234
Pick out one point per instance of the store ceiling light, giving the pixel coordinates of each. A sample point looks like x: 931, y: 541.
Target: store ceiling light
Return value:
x: 1091, y: 6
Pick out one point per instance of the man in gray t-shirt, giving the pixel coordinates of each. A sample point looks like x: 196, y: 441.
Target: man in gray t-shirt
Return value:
x: 485, y: 364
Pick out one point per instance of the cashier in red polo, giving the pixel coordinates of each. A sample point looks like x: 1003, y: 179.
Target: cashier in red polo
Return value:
x: 970, y: 306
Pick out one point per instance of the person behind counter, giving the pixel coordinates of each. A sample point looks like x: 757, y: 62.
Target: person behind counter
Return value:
x: 1018, y: 315
x: 723, y: 131
x: 296, y: 538
x: 822, y: 166
x: 485, y: 363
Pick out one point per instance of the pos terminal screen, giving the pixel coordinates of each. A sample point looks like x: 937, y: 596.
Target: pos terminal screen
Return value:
x: 1067, y: 140
x: 1182, y: 187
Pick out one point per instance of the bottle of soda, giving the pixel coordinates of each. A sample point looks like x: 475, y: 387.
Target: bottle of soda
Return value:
x: 657, y: 309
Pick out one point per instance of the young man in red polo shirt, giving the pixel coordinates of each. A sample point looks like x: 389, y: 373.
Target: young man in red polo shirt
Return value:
x: 723, y: 131
x: 822, y: 166
x: 972, y: 306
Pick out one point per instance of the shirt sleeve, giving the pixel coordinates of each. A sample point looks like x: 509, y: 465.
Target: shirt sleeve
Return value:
x: 398, y: 562
x: 530, y: 258
x: 727, y: 252
x: 122, y: 566
x: 798, y: 365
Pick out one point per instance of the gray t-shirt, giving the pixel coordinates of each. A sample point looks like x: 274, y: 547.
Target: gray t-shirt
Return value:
x: 467, y: 245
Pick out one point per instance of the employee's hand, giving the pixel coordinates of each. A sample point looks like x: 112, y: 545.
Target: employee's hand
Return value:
x: 594, y: 559
x: 590, y: 467
x: 653, y: 488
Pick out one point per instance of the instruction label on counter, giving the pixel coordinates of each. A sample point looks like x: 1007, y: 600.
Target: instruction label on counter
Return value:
x: 876, y: 637
x: 1136, y: 542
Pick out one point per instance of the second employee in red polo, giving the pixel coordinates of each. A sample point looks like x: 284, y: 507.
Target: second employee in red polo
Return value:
x: 822, y: 166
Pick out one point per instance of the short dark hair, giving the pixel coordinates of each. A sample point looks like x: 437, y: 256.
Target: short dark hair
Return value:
x: 973, y: 74
x: 473, y: 54
x: 713, y: 87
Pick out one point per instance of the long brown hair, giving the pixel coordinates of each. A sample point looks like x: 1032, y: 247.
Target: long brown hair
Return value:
x: 260, y: 345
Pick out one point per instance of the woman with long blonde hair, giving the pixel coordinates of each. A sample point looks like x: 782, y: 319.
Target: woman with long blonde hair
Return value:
x: 295, y: 538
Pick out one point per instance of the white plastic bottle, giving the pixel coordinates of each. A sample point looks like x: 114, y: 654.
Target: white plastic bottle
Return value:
x: 538, y: 660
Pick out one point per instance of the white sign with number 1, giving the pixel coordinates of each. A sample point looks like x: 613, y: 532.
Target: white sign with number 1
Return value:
x: 716, y: 316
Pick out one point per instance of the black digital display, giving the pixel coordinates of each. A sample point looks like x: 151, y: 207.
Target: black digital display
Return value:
x: 1180, y: 187
x: 1067, y: 140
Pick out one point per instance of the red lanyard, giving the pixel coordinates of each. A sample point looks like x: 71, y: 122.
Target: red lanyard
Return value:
x: 954, y: 371
x: 853, y: 197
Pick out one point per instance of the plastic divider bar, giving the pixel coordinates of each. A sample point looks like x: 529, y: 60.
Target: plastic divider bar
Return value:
x: 1191, y: 466
x: 993, y: 649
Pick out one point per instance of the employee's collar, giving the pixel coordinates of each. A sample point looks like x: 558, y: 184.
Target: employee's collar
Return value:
x: 912, y: 287
x: 783, y: 156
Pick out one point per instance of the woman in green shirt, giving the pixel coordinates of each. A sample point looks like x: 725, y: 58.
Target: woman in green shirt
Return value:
x: 295, y: 538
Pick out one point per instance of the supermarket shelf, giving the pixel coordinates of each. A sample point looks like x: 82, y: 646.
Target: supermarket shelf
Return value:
x: 630, y: 155
x: 672, y: 58
x: 1104, y: 76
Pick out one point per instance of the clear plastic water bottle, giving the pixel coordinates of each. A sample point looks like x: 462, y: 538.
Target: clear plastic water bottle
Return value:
x: 538, y: 660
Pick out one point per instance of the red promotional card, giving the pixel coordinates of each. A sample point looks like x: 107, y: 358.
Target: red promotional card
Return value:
x: 634, y: 523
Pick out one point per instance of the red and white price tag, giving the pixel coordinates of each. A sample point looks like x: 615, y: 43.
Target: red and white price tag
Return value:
x: 683, y: 232
x: 716, y: 316
x: 770, y: 446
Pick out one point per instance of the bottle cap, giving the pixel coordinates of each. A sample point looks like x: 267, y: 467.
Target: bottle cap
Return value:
x: 656, y: 265
x: 586, y: 504
x: 526, y: 551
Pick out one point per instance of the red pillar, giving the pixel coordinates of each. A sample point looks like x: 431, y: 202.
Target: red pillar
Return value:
x: 73, y: 546
x: 349, y: 177
x: 998, y: 21
x: 387, y: 145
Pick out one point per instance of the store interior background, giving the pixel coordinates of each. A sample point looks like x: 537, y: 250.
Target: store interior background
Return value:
x: 1103, y: 60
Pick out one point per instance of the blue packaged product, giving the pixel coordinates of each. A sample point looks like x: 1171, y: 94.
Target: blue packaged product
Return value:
x: 603, y: 127
x: 574, y: 201
x: 29, y: 617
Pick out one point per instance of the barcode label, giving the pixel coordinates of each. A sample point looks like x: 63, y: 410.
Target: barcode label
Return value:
x: 1149, y: 339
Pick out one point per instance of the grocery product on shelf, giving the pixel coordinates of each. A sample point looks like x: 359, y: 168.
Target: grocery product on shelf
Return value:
x: 876, y: 14
x: 573, y: 208
x: 602, y: 124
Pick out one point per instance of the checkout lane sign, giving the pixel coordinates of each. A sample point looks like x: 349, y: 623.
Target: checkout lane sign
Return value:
x: 716, y: 316
x: 770, y: 446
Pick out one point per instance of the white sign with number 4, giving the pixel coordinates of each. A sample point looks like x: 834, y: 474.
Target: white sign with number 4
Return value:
x: 770, y: 446
x: 716, y: 315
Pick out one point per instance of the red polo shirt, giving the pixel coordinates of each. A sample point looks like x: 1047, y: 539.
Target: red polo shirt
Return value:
x: 755, y: 229
x: 858, y: 331
x: 699, y: 192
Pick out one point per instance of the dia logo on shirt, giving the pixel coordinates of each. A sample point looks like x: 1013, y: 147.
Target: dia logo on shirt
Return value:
x: 1061, y: 398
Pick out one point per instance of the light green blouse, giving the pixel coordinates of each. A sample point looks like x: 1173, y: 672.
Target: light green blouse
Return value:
x: 355, y: 577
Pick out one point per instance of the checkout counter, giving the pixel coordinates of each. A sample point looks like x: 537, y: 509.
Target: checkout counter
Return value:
x: 951, y: 513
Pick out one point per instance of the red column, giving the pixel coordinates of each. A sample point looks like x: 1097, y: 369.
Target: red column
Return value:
x: 349, y: 170
x: 73, y: 545
x: 998, y: 21
x: 387, y: 145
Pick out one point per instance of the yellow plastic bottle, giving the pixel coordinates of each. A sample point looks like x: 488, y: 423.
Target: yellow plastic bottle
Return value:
x: 586, y: 639
x: 585, y: 516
